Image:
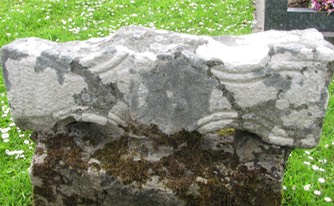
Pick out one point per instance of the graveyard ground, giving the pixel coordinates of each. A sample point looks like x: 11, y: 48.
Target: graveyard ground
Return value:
x: 309, y: 178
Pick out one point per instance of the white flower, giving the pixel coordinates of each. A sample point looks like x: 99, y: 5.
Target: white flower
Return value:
x: 20, y: 156
x: 15, y: 152
x: 307, y: 163
x: 284, y: 188
x: 307, y: 187
x: 63, y: 21
x: 5, y: 130
x: 26, y: 141
x: 315, y: 167
x: 47, y: 17
x: 321, y: 180
x: 328, y: 199
x: 6, y: 140
x: 308, y: 152
x: 321, y: 170
x: 5, y: 136
x: 317, y: 192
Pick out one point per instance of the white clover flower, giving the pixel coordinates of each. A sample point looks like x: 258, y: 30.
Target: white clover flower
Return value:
x: 307, y: 187
x: 328, y: 199
x: 63, y: 21
x: 47, y: 17
x: 6, y: 140
x: 321, y: 180
x: 317, y: 192
x: 284, y: 187
x: 26, y: 141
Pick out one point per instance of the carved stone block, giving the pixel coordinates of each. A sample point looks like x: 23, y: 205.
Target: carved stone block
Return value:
x: 151, y: 117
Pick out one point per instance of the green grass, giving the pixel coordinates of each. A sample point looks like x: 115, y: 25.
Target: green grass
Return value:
x: 305, y: 167
x: 16, y: 150
x: 61, y: 20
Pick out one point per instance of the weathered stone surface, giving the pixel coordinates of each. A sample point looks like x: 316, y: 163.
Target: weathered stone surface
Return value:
x: 272, y: 84
x: 80, y: 164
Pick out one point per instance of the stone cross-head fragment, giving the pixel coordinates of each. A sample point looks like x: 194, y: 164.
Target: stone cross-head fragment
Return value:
x: 272, y: 84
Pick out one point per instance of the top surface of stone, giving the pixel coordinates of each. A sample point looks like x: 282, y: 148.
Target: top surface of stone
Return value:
x: 273, y: 84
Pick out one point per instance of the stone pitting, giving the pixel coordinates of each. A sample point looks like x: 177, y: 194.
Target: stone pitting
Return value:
x: 259, y: 83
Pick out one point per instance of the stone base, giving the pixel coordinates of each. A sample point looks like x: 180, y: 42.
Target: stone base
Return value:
x: 83, y: 165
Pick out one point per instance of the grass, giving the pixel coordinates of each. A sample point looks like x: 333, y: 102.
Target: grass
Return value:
x: 309, y: 177
x: 16, y: 150
x: 66, y: 20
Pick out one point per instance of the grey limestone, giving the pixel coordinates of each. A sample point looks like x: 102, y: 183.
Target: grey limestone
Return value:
x: 273, y: 84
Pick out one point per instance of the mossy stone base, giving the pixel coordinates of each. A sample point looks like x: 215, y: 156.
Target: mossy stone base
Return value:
x: 82, y: 164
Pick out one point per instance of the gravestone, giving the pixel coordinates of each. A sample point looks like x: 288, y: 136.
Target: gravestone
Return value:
x: 281, y: 17
x: 151, y: 117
